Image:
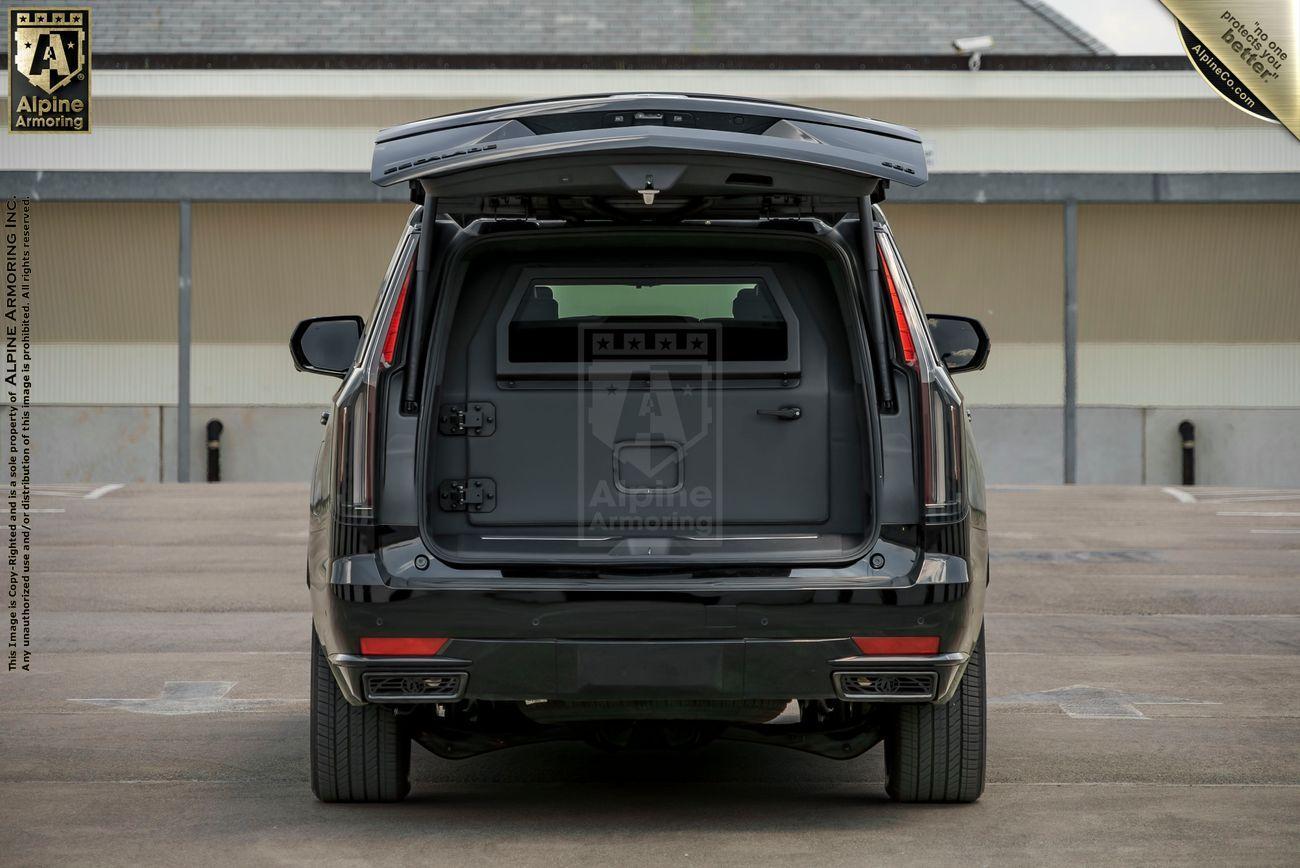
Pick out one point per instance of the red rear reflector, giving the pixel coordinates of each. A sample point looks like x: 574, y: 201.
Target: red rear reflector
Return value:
x: 394, y: 324
x: 904, y: 333
x: 897, y: 644
x: 402, y: 647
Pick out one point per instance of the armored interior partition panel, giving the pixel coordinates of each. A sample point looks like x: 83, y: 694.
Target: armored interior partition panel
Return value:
x: 740, y: 423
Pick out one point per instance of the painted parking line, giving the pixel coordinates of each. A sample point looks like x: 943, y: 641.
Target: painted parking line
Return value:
x: 1253, y: 498
x: 190, y: 697
x: 1275, y: 530
x: 1262, y: 514
x: 103, y: 490
x: 34, y: 510
x: 1179, y: 494
x: 1087, y: 702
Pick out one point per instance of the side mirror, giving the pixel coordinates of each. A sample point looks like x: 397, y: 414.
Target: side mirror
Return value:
x: 326, y: 344
x: 962, y: 343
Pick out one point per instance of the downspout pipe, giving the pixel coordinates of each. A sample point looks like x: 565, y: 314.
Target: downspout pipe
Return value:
x: 214, y: 449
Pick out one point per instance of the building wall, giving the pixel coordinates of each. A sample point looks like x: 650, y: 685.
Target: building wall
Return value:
x: 105, y: 322
x: 1018, y: 444
x: 1186, y: 311
x: 1179, y: 305
x: 324, y: 120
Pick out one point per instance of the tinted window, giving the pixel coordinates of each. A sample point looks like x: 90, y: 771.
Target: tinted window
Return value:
x: 606, y: 320
x: 698, y: 301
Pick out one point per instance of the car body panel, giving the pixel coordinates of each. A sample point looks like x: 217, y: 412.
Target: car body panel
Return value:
x: 628, y: 146
x: 522, y: 631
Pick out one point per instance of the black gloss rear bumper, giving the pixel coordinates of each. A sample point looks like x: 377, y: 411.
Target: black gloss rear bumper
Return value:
x: 560, y: 669
x: 652, y: 638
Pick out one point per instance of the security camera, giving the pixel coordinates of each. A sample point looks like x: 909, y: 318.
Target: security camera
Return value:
x: 972, y: 44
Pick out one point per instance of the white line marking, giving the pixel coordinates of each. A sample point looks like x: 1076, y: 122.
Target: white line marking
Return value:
x: 56, y: 494
x: 1095, y: 703
x: 1272, y: 616
x: 190, y: 697
x: 30, y: 511
x: 296, y: 653
x: 102, y: 490
x: 1275, y: 530
x: 1073, y: 652
x: 1282, y: 786
x: 1248, y: 499
x: 1179, y: 495
x: 1261, y: 514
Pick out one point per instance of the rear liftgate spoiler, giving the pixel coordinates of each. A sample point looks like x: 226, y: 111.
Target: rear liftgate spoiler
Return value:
x: 654, y: 155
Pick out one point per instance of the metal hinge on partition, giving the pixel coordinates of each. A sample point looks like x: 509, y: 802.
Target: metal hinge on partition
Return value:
x: 467, y: 495
x: 476, y: 419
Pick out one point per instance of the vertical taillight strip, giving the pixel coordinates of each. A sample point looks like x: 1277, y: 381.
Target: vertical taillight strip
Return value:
x: 875, y: 306
x: 395, y: 320
x: 357, y: 411
x: 939, y: 405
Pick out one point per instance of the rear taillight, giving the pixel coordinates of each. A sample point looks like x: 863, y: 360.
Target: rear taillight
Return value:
x: 896, y: 645
x: 939, y: 401
x: 355, y: 448
x: 395, y: 322
x: 904, y: 331
x: 401, y: 647
x: 356, y: 417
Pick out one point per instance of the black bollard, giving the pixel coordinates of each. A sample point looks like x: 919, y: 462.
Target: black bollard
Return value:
x: 214, y: 450
x: 1187, y: 431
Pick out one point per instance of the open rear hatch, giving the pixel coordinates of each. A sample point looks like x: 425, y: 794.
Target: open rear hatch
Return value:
x: 626, y: 401
x: 654, y: 156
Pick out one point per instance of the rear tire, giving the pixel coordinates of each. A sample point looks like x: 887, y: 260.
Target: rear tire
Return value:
x: 358, y: 753
x: 936, y: 753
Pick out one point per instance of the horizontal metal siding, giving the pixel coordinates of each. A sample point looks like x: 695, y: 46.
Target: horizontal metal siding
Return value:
x: 260, y: 268
x: 1117, y: 374
x: 145, y: 373
x: 1189, y: 273
x: 989, y: 148
x: 999, y: 263
x: 104, y: 271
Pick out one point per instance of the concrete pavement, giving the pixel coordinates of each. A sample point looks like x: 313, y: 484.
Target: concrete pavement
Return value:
x: 1143, y: 666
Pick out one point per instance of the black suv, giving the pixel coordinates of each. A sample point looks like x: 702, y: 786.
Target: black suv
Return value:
x: 647, y: 443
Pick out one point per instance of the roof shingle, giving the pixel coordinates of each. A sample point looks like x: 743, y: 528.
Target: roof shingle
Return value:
x: 578, y: 27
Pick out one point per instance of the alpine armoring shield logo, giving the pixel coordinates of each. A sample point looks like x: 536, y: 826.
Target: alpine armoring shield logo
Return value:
x: 49, y: 73
x: 49, y: 47
x: 649, y: 443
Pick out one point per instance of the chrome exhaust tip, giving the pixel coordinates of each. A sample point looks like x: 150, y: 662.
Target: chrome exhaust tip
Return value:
x: 893, y: 686
x: 387, y: 687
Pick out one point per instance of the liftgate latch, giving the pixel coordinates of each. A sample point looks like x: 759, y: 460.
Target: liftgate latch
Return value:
x: 467, y: 495
x: 476, y: 419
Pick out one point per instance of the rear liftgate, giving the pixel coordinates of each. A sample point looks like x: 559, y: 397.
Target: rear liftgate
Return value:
x: 647, y: 159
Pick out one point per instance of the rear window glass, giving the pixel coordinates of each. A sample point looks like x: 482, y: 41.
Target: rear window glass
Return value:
x: 698, y: 301
x: 605, y: 320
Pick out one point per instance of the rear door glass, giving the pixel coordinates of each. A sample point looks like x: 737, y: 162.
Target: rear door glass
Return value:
x: 607, y: 320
